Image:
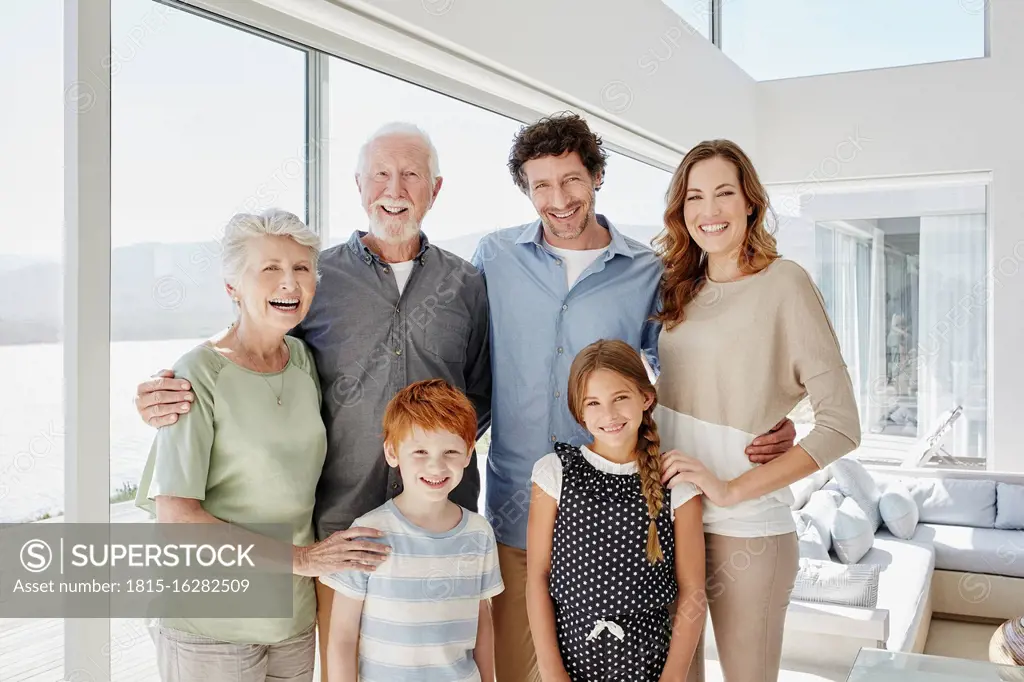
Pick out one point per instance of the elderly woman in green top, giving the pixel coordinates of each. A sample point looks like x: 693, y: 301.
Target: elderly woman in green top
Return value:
x: 250, y: 451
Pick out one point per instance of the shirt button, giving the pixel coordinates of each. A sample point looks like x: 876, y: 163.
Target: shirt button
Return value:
x: 394, y: 486
x: 565, y: 307
x: 553, y: 439
x: 557, y: 394
x: 558, y: 261
x: 385, y: 268
x: 398, y: 351
x: 559, y: 350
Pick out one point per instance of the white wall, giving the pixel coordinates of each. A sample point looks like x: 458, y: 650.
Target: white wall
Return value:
x: 958, y: 116
x: 636, y: 60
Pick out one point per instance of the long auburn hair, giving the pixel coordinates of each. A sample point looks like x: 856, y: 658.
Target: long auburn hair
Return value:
x: 685, y: 262
x: 619, y: 357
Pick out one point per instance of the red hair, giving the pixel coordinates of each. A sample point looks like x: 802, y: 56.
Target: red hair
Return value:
x: 432, y: 405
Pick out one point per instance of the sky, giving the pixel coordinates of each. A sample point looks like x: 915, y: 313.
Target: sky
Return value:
x: 209, y: 120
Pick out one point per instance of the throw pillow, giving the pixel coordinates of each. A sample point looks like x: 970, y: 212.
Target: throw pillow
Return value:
x: 899, y: 510
x: 852, y: 532
x: 812, y: 544
x: 832, y: 583
x: 955, y: 501
x: 822, y: 506
x: 855, y: 481
x: 1009, y: 506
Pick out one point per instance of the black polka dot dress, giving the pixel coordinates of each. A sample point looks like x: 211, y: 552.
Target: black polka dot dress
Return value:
x: 611, y: 615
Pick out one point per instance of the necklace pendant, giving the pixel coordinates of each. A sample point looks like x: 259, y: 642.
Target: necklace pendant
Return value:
x: 278, y: 401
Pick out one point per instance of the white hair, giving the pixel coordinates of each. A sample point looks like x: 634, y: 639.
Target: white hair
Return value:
x: 400, y: 128
x: 244, y: 226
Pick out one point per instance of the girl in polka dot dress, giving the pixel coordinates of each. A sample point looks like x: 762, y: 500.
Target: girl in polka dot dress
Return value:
x: 606, y: 556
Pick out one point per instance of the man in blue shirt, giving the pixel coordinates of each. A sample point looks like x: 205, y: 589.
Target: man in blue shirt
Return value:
x: 554, y: 286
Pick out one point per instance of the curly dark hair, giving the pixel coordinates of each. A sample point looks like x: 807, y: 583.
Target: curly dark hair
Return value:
x: 553, y: 136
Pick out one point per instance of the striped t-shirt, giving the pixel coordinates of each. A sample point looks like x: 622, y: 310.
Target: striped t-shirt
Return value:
x: 421, y: 605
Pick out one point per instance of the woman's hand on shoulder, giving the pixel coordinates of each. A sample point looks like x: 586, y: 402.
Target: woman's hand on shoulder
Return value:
x: 677, y: 468
x: 342, y: 550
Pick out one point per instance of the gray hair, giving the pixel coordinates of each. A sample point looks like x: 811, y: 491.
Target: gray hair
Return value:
x: 400, y: 128
x: 244, y: 226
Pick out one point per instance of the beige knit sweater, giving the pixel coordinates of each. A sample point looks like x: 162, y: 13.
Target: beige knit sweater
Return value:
x: 746, y: 353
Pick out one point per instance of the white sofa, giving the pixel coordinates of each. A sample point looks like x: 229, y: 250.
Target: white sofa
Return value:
x: 957, y: 564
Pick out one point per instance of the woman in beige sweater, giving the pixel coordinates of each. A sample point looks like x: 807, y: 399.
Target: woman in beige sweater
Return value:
x: 745, y: 338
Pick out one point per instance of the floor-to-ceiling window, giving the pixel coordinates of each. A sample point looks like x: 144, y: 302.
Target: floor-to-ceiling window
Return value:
x: 208, y: 120
x: 31, y: 280
x: 905, y: 279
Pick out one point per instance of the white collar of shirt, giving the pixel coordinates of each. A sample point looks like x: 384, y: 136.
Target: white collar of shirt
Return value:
x: 602, y: 464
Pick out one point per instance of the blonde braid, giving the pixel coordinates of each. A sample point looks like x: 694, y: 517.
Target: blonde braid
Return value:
x: 649, y: 465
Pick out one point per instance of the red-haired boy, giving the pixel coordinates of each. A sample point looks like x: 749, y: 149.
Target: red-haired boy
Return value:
x: 424, y: 613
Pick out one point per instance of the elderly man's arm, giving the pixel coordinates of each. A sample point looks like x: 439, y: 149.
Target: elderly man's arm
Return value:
x: 478, y: 354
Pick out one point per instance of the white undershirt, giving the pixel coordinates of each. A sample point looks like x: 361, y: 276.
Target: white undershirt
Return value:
x: 402, y: 271
x: 575, y: 261
x: 547, y: 474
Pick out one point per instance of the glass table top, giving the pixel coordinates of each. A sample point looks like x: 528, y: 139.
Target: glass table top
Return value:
x: 876, y: 665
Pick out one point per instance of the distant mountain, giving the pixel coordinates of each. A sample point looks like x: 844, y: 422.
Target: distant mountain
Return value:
x: 158, y: 291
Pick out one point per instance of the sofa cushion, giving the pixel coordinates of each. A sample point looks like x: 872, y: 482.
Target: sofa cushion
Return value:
x: 822, y: 507
x: 852, y: 532
x: 1009, y: 506
x: 955, y: 502
x: 829, y: 582
x: 899, y: 510
x: 904, y: 585
x: 812, y: 544
x: 975, y: 550
x: 807, y: 485
x: 855, y: 481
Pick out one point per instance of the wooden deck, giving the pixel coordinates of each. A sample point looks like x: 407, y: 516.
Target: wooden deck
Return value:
x: 32, y: 649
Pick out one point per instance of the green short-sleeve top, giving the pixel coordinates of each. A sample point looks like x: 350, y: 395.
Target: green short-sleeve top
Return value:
x: 249, y: 461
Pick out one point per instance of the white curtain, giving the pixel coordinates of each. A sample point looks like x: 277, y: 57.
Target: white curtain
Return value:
x: 872, y: 397
x: 951, y: 362
x: 846, y: 316
x: 851, y: 276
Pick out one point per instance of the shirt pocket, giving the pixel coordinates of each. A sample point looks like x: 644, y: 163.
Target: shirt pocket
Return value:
x: 447, y: 336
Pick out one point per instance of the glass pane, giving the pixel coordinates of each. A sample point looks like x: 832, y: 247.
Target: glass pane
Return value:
x: 633, y: 197
x: 208, y: 120
x: 773, y: 39
x: 477, y: 195
x: 907, y: 296
x: 696, y: 14
x: 31, y: 297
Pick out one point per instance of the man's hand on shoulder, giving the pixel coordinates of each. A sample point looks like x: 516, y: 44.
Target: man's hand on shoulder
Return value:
x: 161, y: 399
x: 777, y: 441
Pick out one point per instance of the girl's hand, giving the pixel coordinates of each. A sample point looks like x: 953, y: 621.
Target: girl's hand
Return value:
x: 678, y: 468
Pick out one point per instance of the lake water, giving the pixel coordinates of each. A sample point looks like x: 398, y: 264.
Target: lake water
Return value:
x: 32, y: 421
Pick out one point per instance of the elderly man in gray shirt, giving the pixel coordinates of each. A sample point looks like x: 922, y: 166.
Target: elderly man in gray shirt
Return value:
x: 390, y: 309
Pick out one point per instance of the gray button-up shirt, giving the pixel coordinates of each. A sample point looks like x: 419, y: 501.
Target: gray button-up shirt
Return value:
x: 369, y: 343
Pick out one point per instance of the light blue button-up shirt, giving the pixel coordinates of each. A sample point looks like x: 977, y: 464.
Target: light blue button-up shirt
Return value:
x: 538, y: 325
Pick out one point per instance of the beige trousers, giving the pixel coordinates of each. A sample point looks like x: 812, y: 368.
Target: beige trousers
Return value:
x: 514, y: 657
x: 749, y: 582
x: 184, y: 657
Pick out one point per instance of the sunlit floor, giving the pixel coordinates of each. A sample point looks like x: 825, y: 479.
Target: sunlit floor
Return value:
x: 32, y: 650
